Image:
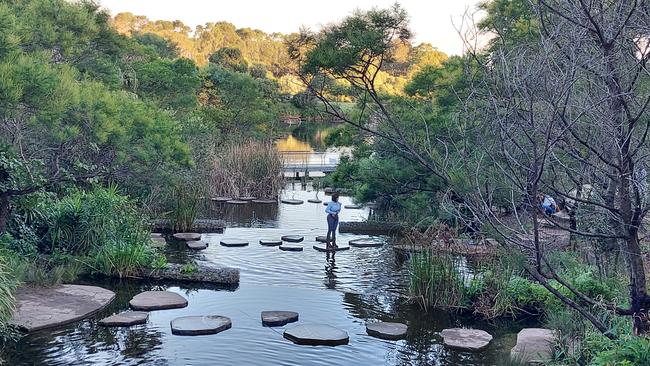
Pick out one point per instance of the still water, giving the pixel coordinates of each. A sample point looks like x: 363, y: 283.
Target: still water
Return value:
x: 345, y: 291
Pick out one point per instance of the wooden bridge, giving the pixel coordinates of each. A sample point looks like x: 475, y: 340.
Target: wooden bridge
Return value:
x: 301, y: 163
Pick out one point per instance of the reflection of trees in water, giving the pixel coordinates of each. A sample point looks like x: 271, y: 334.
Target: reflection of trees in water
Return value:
x: 248, y: 215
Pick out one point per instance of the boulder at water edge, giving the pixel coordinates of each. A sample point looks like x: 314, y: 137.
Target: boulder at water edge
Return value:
x: 534, y: 345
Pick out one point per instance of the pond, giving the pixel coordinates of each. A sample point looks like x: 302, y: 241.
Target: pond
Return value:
x: 344, y: 291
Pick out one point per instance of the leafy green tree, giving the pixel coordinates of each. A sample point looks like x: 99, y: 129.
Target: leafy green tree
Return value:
x: 229, y: 58
x: 171, y: 83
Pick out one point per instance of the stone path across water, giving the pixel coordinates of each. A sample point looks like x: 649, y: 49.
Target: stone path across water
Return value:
x: 323, y: 248
x: 233, y: 243
x: 197, y: 245
x: 187, y: 236
x: 270, y: 242
x: 317, y: 335
x: 125, y: 319
x: 291, y: 247
x: 365, y: 243
x: 466, y: 339
x: 157, y: 300
x: 278, y: 318
x: 293, y: 238
x: 290, y: 201
x: 200, y: 325
x: 387, y: 330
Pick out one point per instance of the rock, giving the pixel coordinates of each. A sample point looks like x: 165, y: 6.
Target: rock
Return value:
x: 323, y: 248
x: 265, y: 201
x: 534, y: 345
x: 466, y: 339
x: 278, y: 318
x: 270, y: 242
x: 221, y: 199
x: 293, y: 238
x: 321, y: 239
x: 291, y: 247
x: 365, y: 243
x: 156, y: 235
x: 197, y: 245
x: 200, y: 325
x: 314, y: 200
x: 247, y: 198
x: 204, y: 273
x: 237, y: 202
x: 187, y: 236
x: 158, y: 242
x: 40, y: 308
x: 291, y: 201
x: 125, y: 319
x: 386, y: 330
x: 353, y: 207
x: 316, y: 335
x: 233, y: 243
x: 157, y: 300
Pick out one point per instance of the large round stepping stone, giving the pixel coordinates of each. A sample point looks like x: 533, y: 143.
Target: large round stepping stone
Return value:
x: 247, y: 198
x: 321, y: 239
x: 270, y: 242
x: 291, y: 247
x: 317, y: 335
x: 323, y: 248
x: 365, y: 243
x: 187, y: 236
x: 237, y: 202
x: 466, y: 339
x: 291, y: 201
x: 221, y: 199
x: 197, y: 245
x: 125, y: 319
x: 200, y: 325
x: 157, y: 300
x: 314, y: 200
x: 265, y: 201
x: 278, y: 318
x: 233, y: 243
x: 293, y: 238
x: 534, y: 345
x: 353, y: 207
x: 386, y: 330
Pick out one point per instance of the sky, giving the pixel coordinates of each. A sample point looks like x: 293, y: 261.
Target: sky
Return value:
x: 431, y: 20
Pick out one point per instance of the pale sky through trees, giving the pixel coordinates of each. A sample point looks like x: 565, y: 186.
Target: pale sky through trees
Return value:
x: 431, y: 20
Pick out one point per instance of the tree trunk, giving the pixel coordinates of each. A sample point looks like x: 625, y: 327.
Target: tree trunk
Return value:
x: 4, y: 211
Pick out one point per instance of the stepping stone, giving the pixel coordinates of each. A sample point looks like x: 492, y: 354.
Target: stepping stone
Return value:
x: 465, y: 339
x: 270, y: 242
x: 291, y: 248
x: 365, y: 243
x: 290, y: 201
x: 236, y: 202
x: 353, y: 207
x: 221, y: 199
x: 317, y: 335
x: 386, y: 330
x: 157, y: 300
x: 314, y: 200
x: 321, y: 239
x: 265, y: 201
x: 278, y: 318
x: 156, y: 235
x: 125, y: 319
x: 200, y: 325
x: 234, y: 243
x: 40, y: 308
x: 187, y: 236
x: 534, y: 345
x: 158, y: 242
x: 323, y: 248
x: 197, y: 245
x: 293, y: 238
x: 247, y: 198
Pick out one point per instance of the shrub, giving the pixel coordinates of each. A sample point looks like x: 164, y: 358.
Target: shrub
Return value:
x: 124, y: 259
x: 626, y: 351
x: 185, y: 208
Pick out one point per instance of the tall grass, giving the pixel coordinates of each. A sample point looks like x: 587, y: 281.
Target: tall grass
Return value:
x: 252, y: 168
x: 185, y: 207
x: 123, y: 260
x: 434, y: 281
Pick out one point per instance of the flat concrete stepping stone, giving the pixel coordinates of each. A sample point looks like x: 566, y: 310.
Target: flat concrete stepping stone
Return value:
x: 247, y: 198
x: 233, y: 243
x: 197, y: 245
x: 353, y: 207
x: 221, y: 199
x: 158, y: 242
x: 323, y: 248
x: 466, y: 339
x: 265, y: 201
x: 387, y: 330
x: 40, y: 308
x: 293, y: 238
x: 365, y: 243
x: 314, y: 200
x: 187, y: 236
x: 157, y: 300
x: 200, y: 325
x: 321, y: 239
x: 278, y: 318
x: 291, y: 201
x: 237, y: 202
x: 270, y: 242
x: 534, y: 345
x: 125, y: 319
x: 291, y: 247
x: 156, y: 235
x: 317, y: 335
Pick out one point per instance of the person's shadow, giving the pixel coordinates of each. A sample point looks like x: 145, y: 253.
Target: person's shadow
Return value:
x: 330, y: 271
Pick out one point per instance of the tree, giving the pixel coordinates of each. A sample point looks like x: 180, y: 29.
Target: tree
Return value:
x: 229, y: 58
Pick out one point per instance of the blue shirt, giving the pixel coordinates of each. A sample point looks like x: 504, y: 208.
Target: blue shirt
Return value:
x: 333, y: 207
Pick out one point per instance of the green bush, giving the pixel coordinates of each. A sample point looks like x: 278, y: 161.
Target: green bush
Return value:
x: 124, y: 259
x: 626, y: 351
x: 434, y: 281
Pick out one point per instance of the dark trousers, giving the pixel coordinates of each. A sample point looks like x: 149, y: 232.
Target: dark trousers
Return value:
x: 332, y: 223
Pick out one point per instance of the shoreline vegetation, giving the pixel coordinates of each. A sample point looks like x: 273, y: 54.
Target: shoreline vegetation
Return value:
x: 108, y: 122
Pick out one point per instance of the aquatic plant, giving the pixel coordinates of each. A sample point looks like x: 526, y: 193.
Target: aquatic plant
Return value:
x: 434, y: 281
x: 185, y: 207
x: 123, y: 259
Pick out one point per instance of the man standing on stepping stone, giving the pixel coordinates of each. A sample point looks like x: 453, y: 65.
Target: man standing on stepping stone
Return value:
x: 333, y: 208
